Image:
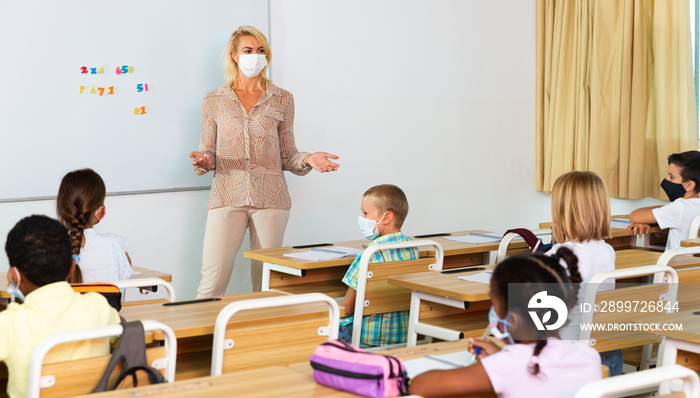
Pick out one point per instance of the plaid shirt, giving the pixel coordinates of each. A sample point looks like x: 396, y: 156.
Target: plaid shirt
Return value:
x: 390, y: 327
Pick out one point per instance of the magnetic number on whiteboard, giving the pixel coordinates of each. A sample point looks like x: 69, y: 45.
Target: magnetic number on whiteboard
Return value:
x: 92, y: 90
x: 124, y: 69
x: 80, y: 89
x: 91, y: 70
x: 141, y: 87
x: 140, y: 111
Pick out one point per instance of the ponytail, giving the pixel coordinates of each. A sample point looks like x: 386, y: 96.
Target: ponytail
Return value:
x: 534, y: 366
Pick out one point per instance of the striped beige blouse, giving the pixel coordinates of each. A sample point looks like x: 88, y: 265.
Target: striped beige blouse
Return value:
x: 250, y: 151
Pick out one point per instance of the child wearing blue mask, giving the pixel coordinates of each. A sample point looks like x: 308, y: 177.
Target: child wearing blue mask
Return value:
x: 383, y: 211
x: 682, y: 186
x: 537, y: 362
x: 39, y: 251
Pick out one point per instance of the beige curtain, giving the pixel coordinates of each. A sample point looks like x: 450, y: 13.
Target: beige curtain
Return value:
x: 615, y: 91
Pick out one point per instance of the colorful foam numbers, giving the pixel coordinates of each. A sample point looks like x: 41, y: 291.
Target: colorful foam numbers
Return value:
x: 91, y: 70
x: 140, y: 111
x: 141, y: 87
x: 124, y: 69
x: 110, y: 90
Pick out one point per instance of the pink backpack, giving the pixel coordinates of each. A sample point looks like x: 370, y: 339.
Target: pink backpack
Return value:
x: 345, y: 367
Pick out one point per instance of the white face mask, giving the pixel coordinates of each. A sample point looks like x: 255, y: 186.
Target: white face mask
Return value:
x: 251, y: 64
x: 368, y: 227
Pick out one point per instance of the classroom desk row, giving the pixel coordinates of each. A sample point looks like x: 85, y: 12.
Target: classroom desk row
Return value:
x: 277, y: 381
x: 193, y: 325
x: 293, y: 381
x: 139, y: 273
x: 294, y: 275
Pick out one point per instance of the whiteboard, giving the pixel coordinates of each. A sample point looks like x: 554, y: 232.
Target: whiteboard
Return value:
x: 48, y: 127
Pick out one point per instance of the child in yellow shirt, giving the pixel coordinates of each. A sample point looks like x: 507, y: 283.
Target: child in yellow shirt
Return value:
x: 39, y: 252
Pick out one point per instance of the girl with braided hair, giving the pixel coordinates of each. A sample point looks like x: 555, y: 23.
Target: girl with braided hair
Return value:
x: 79, y: 206
x: 537, y: 363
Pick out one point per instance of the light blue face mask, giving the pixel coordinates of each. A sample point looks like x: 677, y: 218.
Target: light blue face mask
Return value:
x: 13, y: 289
x: 368, y: 227
x: 494, y: 320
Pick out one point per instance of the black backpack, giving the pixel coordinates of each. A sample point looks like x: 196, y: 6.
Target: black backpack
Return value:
x: 131, y: 349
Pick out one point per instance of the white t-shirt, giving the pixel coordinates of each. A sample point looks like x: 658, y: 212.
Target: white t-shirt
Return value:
x: 677, y: 216
x: 594, y: 256
x: 565, y: 367
x: 103, y: 259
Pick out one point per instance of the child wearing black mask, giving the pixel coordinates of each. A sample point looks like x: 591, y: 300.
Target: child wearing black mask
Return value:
x: 682, y: 186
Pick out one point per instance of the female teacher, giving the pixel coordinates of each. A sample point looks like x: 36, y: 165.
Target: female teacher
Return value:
x: 248, y: 140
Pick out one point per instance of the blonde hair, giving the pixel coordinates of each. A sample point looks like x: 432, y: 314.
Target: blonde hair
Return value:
x: 580, y: 207
x: 231, y: 67
x: 387, y: 197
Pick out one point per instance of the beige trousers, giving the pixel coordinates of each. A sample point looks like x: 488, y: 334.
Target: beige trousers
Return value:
x: 223, y: 236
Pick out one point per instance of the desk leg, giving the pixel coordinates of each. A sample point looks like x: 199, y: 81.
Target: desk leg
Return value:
x: 268, y: 267
x: 643, y: 241
x: 266, y: 277
x: 413, y: 316
x: 416, y: 327
x: 668, y: 353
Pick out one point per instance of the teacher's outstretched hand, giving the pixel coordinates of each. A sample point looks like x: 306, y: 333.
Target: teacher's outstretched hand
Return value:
x: 319, y: 161
x: 247, y: 140
x: 200, y: 160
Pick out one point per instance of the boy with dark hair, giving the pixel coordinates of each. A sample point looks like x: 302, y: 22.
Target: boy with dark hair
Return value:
x: 682, y: 186
x: 39, y: 252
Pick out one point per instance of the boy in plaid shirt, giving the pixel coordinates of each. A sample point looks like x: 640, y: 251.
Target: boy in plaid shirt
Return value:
x: 383, y: 211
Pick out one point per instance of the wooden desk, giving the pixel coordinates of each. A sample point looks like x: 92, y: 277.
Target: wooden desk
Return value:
x: 622, y: 238
x: 460, y: 254
x: 144, y: 273
x: 686, y: 340
x: 193, y: 320
x: 193, y: 325
x: 690, y: 242
x: 635, y: 257
x: 272, y: 382
x: 446, y: 290
x: 293, y: 275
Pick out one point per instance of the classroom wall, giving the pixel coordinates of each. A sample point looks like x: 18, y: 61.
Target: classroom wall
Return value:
x: 435, y: 97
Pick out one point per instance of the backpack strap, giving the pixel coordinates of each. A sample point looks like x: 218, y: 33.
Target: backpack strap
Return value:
x: 154, y: 376
x: 131, y: 349
x: 530, y: 238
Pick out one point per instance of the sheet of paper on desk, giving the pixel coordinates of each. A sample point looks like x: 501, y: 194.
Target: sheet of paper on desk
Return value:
x: 619, y: 223
x: 320, y: 254
x: 341, y: 250
x: 431, y: 362
x: 481, y: 277
x: 476, y: 238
